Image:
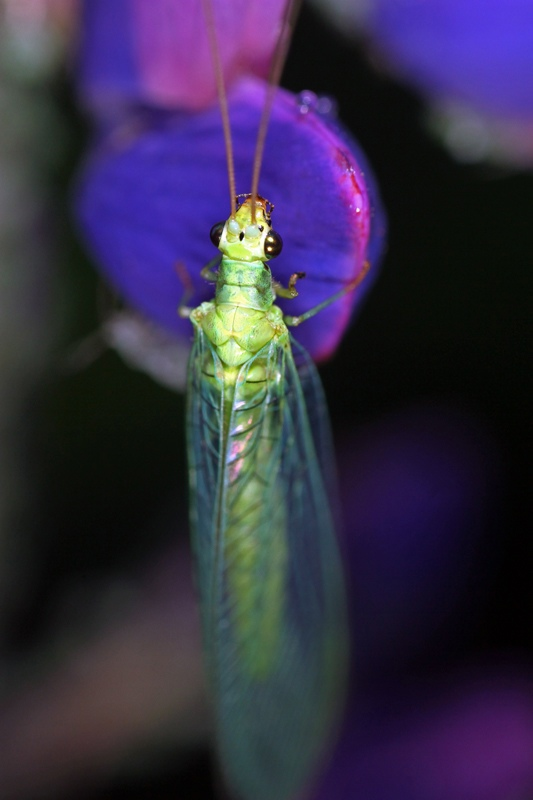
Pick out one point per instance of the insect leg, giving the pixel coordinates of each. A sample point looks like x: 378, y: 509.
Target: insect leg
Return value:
x: 184, y: 310
x: 207, y: 272
x: 294, y: 321
x: 290, y: 291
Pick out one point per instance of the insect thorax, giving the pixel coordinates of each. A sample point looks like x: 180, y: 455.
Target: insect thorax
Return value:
x: 238, y: 332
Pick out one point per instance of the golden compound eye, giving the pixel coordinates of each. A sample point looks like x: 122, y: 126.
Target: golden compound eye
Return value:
x: 273, y: 244
x: 216, y: 233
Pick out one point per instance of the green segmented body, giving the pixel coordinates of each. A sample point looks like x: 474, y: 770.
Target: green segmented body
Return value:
x: 238, y: 324
x: 269, y: 573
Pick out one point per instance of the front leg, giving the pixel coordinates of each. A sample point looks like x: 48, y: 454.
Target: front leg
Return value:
x: 290, y: 292
x: 208, y: 273
x: 294, y: 321
x: 184, y: 310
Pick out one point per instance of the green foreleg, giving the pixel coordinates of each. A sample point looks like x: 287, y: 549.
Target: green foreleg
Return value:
x: 290, y: 291
x: 294, y: 321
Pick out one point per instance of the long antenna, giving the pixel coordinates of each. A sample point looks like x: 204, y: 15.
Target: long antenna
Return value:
x: 222, y: 97
x: 290, y: 15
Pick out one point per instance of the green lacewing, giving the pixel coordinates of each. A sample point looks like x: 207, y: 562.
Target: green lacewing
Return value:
x: 269, y: 573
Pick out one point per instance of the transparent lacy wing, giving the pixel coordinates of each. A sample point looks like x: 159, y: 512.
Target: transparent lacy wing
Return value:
x: 269, y: 574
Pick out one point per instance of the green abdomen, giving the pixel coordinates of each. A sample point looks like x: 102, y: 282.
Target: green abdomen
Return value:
x: 254, y: 530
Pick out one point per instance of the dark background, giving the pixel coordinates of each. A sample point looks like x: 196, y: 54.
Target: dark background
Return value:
x: 444, y: 325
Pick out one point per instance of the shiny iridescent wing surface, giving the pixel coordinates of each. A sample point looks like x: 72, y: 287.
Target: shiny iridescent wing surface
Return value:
x: 268, y: 568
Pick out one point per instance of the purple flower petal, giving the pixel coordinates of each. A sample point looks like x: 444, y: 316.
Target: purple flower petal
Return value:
x: 148, y: 200
x: 478, y: 52
x: 108, y: 71
x: 156, y: 51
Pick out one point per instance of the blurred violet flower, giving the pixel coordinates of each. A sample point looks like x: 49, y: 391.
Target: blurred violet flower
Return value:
x: 419, y: 489
x: 466, y: 736
x: 473, y: 60
x: 157, y: 181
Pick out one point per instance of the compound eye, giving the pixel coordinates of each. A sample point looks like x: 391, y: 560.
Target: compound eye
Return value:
x: 273, y: 244
x: 216, y: 233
